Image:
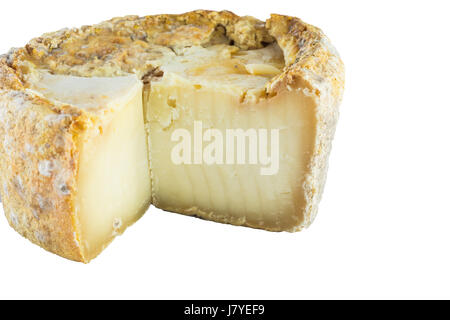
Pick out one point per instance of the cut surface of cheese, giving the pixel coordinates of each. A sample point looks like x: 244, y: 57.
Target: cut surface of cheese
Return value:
x: 114, y: 177
x: 221, y: 88
x: 233, y: 192
x: 206, y: 113
x: 113, y: 180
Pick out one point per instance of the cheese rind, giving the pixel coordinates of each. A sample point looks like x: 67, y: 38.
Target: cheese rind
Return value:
x: 38, y: 172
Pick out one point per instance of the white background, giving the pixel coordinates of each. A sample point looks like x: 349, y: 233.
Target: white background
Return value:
x: 383, y: 229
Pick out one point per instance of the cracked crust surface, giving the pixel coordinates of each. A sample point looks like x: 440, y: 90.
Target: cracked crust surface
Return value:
x: 38, y: 161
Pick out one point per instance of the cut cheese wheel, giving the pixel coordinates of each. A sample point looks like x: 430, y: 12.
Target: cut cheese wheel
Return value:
x: 207, y: 114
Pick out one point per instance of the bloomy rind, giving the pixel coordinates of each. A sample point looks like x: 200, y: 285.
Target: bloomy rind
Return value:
x: 126, y: 45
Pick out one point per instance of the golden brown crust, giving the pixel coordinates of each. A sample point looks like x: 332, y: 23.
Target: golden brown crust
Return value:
x: 38, y: 166
x: 308, y: 54
x: 37, y: 187
x: 313, y: 65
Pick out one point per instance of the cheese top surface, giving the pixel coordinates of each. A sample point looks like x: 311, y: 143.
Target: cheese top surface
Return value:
x: 87, y: 93
x: 224, y: 65
x: 221, y: 66
x: 200, y: 45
